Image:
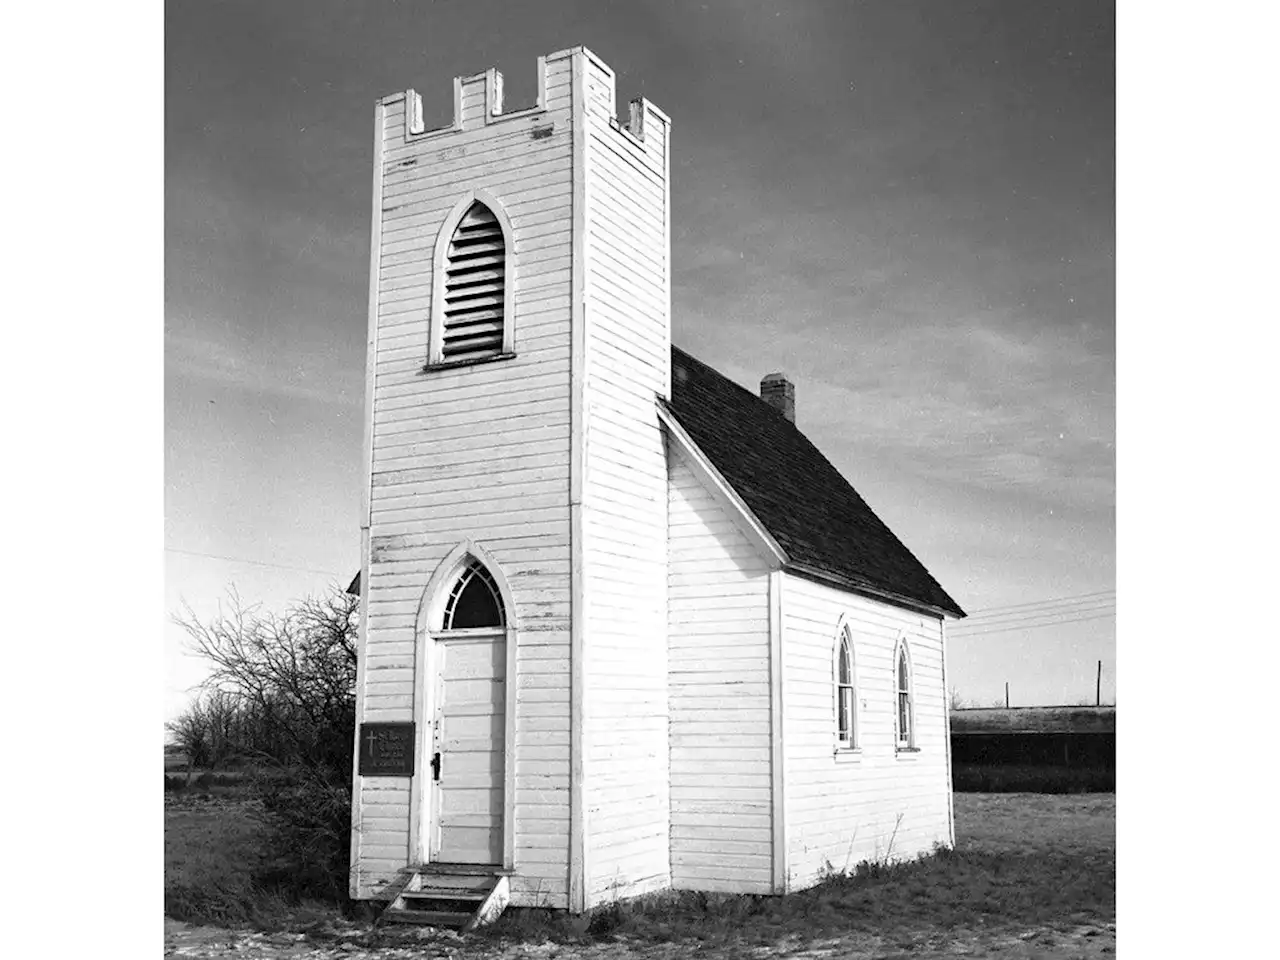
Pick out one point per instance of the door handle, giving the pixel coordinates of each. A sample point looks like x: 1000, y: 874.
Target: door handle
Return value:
x: 435, y: 766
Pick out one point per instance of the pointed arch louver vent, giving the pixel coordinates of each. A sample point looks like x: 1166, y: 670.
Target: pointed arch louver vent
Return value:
x: 474, y: 287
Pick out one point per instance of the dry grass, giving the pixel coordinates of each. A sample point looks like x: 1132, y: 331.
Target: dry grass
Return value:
x: 211, y: 853
x: 213, y: 864
x: 1044, y: 863
x: 1080, y: 826
x: 1020, y: 860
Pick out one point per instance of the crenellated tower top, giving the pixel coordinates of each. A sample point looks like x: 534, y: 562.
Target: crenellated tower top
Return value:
x: 478, y: 99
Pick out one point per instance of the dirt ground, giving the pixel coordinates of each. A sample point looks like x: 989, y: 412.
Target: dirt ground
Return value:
x: 1090, y: 942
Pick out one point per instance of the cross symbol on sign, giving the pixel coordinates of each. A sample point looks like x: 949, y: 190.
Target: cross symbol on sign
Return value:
x: 373, y: 740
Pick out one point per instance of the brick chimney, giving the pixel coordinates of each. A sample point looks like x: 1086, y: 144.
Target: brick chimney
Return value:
x: 780, y: 393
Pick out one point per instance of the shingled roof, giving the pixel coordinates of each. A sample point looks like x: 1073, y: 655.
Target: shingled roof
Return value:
x: 824, y: 527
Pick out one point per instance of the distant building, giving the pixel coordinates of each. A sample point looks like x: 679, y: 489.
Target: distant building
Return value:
x: 1071, y: 737
x: 624, y: 628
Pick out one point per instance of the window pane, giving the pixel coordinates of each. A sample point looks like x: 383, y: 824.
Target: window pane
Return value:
x: 902, y: 670
x: 843, y: 722
x: 904, y: 718
x: 844, y: 662
x: 846, y: 696
x: 478, y: 603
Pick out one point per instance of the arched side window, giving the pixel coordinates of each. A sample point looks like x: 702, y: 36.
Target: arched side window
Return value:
x: 905, y: 714
x: 846, y: 693
x: 472, y: 294
x: 474, y: 601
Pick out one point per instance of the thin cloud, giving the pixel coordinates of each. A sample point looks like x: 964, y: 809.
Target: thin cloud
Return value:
x: 194, y: 357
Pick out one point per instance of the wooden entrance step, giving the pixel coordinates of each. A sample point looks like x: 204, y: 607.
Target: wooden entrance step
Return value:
x: 460, y: 897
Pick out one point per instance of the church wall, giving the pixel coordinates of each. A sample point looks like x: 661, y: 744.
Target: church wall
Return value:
x: 843, y: 807
x: 718, y: 637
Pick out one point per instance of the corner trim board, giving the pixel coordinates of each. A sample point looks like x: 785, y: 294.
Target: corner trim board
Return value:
x: 778, y: 758
x: 666, y: 229
x: 946, y: 737
x: 577, y: 461
x: 366, y: 486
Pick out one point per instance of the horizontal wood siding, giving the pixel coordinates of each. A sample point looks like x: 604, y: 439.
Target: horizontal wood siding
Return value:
x: 624, y: 495
x: 718, y: 641
x: 477, y: 452
x: 878, y: 803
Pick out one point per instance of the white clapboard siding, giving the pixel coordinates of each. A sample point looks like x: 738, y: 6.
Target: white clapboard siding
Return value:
x: 718, y: 638
x: 877, y: 803
x: 478, y: 453
x: 624, y: 492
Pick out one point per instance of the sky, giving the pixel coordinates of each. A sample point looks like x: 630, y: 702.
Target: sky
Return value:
x: 907, y: 207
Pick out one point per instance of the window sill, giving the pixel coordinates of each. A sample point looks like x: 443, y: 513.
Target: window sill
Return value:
x: 906, y: 753
x: 454, y: 364
x: 847, y: 754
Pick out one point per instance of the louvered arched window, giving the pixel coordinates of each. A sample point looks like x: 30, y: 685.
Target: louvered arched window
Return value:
x: 472, y: 300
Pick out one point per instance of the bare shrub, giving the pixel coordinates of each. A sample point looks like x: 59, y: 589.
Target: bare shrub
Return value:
x: 281, y: 696
x: 212, y: 731
x: 282, y: 687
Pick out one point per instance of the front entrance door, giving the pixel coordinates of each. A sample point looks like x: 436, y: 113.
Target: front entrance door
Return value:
x: 468, y: 734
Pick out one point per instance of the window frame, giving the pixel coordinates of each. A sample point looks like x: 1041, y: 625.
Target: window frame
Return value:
x: 435, y: 321
x: 845, y: 654
x: 902, y: 655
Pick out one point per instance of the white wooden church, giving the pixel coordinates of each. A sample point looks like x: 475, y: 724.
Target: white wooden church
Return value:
x: 623, y: 627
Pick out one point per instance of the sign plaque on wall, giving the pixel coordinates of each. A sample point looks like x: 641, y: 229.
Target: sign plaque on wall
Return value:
x: 386, y: 750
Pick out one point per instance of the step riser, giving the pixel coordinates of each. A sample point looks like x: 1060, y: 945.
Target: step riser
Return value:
x: 440, y: 904
x: 479, y: 890
x: 460, y: 901
x: 460, y: 870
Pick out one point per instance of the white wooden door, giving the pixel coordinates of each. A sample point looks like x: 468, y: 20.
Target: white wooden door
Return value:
x: 468, y: 734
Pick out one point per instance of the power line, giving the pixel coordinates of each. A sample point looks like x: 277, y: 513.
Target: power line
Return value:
x: 1030, y: 626
x: 1049, y: 601
x: 1091, y: 606
x: 1033, y: 625
x: 1047, y: 617
x: 256, y: 563
x: 1059, y: 611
